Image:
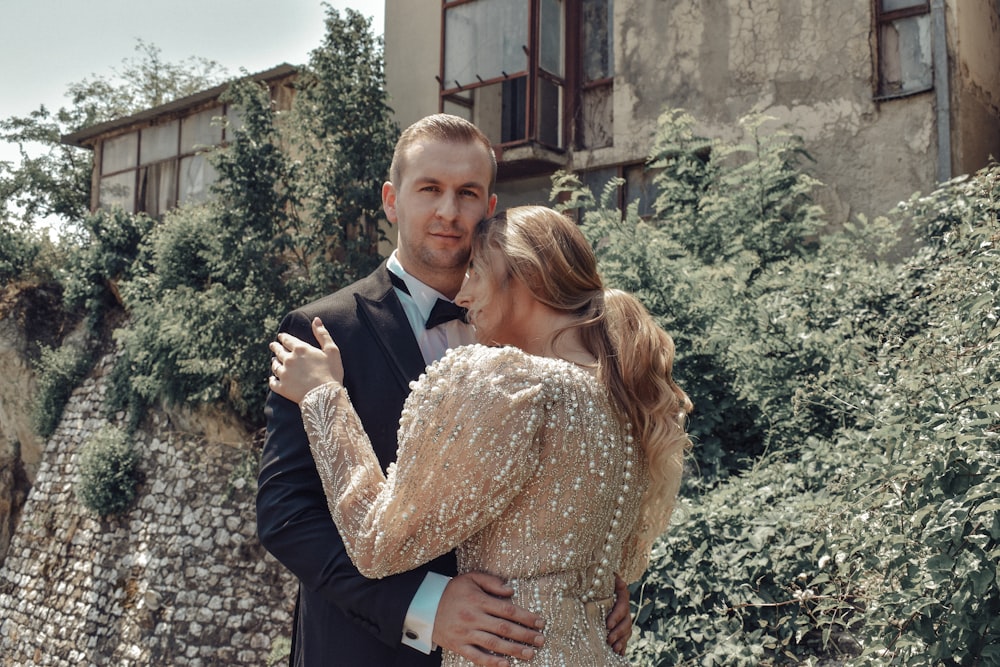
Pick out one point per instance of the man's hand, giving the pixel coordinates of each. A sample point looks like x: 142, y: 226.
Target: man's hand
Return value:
x: 620, y: 620
x: 476, y: 619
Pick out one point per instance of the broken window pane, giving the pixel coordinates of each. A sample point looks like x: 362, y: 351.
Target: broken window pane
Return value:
x: 596, y: 117
x: 118, y: 191
x: 200, y: 130
x: 159, y: 184
x: 197, y: 175
x: 905, y: 58
x: 485, y: 39
x: 598, y: 55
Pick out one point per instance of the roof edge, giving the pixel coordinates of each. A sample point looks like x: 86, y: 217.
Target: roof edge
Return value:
x: 82, y: 136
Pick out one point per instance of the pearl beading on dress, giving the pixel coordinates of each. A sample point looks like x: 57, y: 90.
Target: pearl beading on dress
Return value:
x: 517, y: 461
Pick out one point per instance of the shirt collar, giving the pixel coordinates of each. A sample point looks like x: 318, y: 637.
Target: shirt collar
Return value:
x: 423, y: 296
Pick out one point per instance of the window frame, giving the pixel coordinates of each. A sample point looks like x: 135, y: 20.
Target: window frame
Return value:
x: 568, y: 86
x: 142, y: 170
x: 881, y: 18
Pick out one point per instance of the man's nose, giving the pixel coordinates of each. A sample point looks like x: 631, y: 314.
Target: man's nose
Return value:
x: 448, y: 206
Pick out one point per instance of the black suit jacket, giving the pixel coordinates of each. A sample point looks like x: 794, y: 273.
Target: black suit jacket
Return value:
x: 342, y: 618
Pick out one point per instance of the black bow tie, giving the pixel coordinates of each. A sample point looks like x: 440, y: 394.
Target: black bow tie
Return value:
x: 443, y: 311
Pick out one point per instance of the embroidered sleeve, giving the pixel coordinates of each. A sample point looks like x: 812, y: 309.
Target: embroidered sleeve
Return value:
x: 468, y: 441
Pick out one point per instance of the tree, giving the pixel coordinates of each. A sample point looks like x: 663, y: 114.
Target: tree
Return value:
x: 343, y: 133
x: 287, y: 223
x: 53, y: 179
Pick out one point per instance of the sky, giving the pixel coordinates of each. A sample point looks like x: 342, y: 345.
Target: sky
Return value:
x: 45, y: 45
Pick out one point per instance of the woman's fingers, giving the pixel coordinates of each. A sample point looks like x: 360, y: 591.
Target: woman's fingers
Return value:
x: 322, y: 335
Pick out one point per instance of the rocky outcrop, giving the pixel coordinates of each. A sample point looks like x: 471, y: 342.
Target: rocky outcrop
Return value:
x: 180, y: 579
x: 20, y: 448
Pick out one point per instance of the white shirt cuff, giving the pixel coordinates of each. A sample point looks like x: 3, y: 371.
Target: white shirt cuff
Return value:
x: 418, y: 626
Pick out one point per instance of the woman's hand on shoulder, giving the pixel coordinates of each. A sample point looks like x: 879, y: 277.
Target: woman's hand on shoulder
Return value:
x: 298, y: 367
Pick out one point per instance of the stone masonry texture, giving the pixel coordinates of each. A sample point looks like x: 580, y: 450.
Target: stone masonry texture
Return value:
x: 180, y: 579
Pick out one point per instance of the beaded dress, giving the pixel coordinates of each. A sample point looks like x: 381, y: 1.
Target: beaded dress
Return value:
x: 517, y: 461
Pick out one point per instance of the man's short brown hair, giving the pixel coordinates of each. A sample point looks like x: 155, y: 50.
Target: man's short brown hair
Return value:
x: 446, y: 128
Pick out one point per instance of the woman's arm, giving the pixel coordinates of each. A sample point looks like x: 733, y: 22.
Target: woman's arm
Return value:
x: 467, y: 446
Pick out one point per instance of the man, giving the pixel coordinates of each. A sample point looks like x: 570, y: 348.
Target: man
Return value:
x: 441, y: 184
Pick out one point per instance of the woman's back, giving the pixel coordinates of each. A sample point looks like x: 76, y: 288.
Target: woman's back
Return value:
x: 517, y: 461
x: 561, y: 540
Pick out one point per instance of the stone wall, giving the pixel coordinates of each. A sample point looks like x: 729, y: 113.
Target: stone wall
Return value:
x: 181, y: 579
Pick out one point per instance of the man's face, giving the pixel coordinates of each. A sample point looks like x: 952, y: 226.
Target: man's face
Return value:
x: 442, y: 194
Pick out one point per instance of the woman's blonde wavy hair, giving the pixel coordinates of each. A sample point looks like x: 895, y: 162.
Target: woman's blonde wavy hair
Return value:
x: 548, y: 253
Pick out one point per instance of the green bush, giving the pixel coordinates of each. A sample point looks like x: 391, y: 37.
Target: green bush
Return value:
x: 105, y: 247
x: 730, y: 266
x: 109, y: 472
x: 931, y: 505
x: 211, y: 282
x: 209, y: 291
x: 19, y: 250
x: 59, y: 371
x: 843, y: 496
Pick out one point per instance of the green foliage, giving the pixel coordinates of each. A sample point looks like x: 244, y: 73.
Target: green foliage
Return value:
x: 109, y: 472
x: 932, y: 508
x: 343, y: 135
x: 59, y: 371
x: 52, y: 178
x: 286, y: 225
x: 21, y: 249
x: 733, y: 224
x: 207, y: 298
x: 105, y: 246
x: 844, y: 498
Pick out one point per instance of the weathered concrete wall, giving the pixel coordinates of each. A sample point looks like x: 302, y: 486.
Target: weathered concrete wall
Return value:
x: 412, y: 58
x: 808, y: 63
x: 180, y: 580
x: 974, y: 34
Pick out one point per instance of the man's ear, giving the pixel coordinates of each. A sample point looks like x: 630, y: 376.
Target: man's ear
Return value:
x: 389, y: 202
x: 492, y: 205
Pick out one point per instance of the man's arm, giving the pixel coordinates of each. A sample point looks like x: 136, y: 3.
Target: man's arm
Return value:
x: 295, y: 526
x: 475, y: 616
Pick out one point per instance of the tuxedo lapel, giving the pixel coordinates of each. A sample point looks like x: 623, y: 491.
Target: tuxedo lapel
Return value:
x: 389, y: 328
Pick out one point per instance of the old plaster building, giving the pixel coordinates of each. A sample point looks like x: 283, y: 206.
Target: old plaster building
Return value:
x: 155, y: 160
x: 891, y: 96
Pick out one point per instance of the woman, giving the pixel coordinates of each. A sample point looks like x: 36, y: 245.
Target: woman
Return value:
x: 550, y: 454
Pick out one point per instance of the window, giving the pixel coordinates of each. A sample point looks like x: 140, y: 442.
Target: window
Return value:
x: 905, y: 63
x: 636, y: 186
x: 511, y: 67
x: 155, y: 168
x: 594, y: 120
